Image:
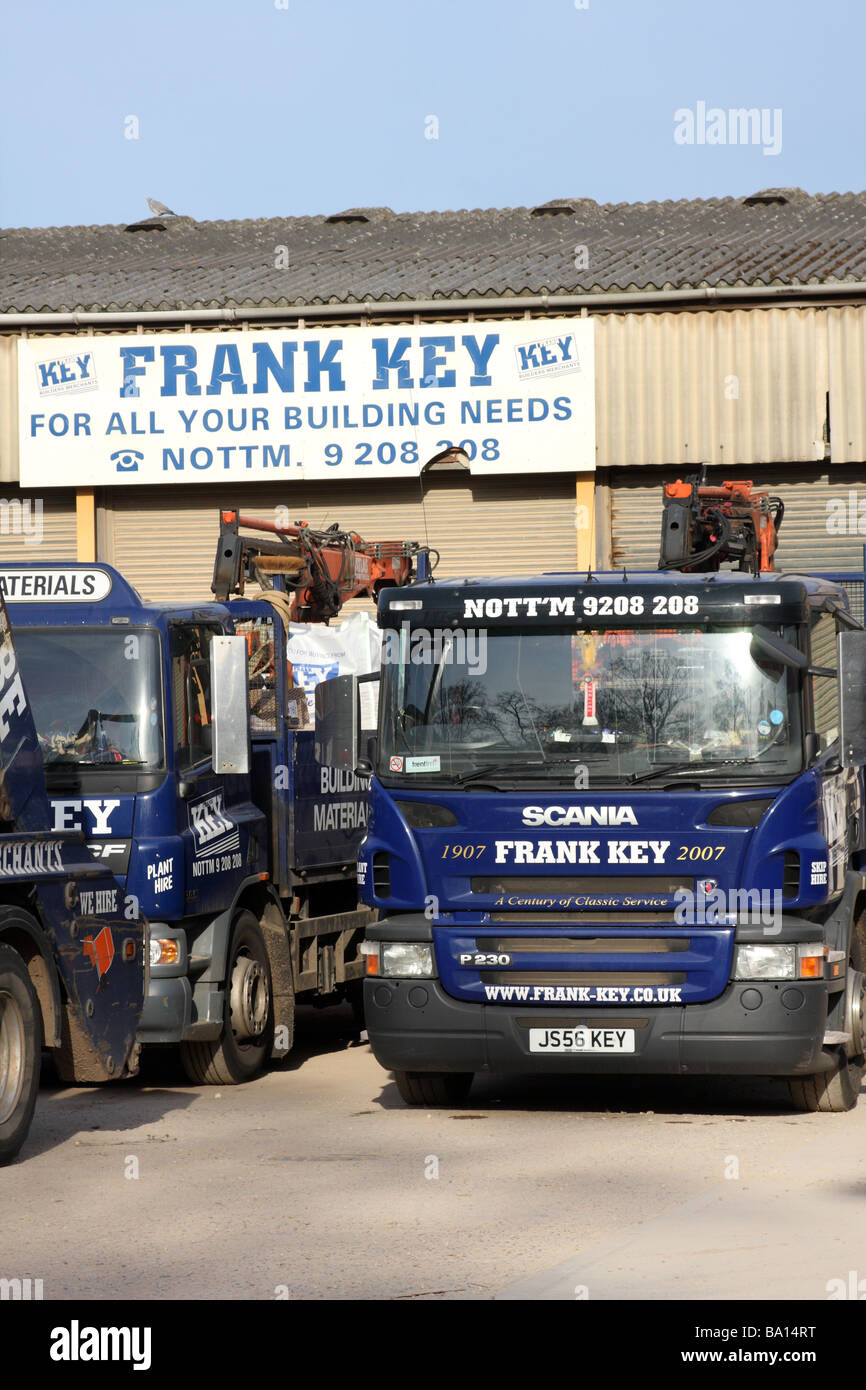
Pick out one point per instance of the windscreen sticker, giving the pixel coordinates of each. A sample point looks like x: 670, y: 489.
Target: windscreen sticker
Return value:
x: 776, y: 716
x: 431, y: 763
x: 395, y: 764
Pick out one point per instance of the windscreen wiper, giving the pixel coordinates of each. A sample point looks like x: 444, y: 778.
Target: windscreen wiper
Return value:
x: 672, y: 769
x: 477, y: 773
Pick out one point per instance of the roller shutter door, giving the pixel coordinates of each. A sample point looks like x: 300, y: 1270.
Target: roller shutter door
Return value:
x: 805, y: 543
x: 43, y: 530
x: 163, y: 540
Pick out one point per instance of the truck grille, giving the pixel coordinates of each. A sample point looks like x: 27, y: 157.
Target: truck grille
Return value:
x: 583, y: 945
x: 566, y: 918
x: 646, y: 885
x: 576, y: 964
x: 582, y: 977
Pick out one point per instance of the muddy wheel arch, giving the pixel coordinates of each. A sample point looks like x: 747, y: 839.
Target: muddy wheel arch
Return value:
x: 21, y: 930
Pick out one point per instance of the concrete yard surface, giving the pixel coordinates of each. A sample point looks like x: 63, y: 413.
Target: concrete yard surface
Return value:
x: 316, y: 1182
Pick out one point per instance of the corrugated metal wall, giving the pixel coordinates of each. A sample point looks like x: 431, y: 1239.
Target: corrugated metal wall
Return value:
x: 163, y: 539
x: 720, y: 387
x: 846, y: 333
x: 805, y: 542
x: 8, y: 410
x: 43, y: 530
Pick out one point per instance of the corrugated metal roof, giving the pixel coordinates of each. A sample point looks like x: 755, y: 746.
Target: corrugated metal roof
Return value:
x: 776, y: 237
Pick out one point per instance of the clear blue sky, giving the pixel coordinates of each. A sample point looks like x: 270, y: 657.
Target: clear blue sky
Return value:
x: 248, y: 109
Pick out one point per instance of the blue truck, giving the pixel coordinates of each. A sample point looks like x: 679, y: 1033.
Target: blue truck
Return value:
x: 616, y: 822
x: 176, y: 747
x: 73, y: 969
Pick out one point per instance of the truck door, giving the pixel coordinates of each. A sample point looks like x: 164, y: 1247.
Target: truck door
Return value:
x: 222, y: 831
x: 274, y: 713
x: 841, y: 795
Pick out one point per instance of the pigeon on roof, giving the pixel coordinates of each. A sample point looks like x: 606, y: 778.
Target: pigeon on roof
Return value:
x: 159, y: 209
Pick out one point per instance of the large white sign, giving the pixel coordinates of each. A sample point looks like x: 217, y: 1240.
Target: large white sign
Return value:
x: 518, y: 397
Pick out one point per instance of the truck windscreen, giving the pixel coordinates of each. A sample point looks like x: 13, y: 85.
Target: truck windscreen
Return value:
x: 619, y: 701
x: 95, y: 695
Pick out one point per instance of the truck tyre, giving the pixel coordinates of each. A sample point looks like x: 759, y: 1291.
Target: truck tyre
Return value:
x: 20, y: 1052
x: 433, y: 1088
x: 839, y: 1089
x: 835, y: 1090
x: 248, y: 1015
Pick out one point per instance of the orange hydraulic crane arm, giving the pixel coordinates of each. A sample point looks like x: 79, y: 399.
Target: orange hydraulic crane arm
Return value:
x: 704, y: 526
x: 322, y: 569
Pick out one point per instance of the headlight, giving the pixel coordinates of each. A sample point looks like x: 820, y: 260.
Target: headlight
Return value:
x: 405, y: 959
x: 765, y: 963
x: 804, y: 961
x: 164, y: 950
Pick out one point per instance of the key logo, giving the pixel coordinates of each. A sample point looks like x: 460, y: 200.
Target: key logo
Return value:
x: 213, y: 830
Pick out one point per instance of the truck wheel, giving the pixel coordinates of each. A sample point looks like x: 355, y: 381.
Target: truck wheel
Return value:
x: 20, y: 1052
x: 834, y: 1090
x: 433, y: 1088
x: 839, y: 1089
x: 248, y: 1015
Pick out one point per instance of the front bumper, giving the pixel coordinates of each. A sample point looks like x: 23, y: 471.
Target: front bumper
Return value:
x: 176, y: 1012
x: 413, y: 1025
